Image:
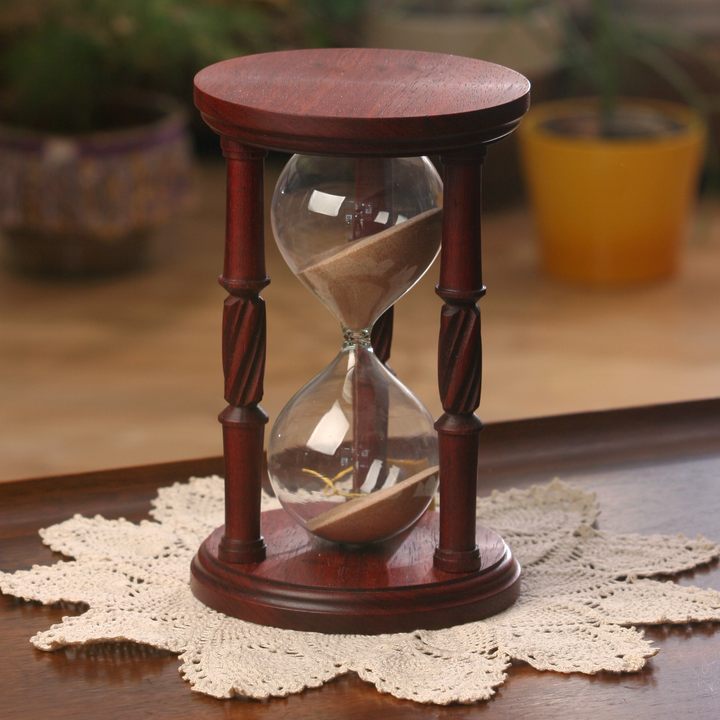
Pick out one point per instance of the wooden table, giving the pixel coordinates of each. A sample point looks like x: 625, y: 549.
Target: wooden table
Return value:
x: 655, y: 470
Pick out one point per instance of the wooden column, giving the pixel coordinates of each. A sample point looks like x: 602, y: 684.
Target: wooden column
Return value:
x: 243, y: 353
x: 382, y: 333
x: 373, y: 194
x: 460, y: 360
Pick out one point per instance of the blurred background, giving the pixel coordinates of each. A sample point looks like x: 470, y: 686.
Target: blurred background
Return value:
x: 601, y: 229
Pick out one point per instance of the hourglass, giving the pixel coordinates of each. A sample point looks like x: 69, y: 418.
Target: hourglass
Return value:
x: 354, y: 458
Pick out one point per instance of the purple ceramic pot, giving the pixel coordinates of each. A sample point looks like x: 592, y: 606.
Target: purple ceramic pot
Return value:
x: 75, y: 205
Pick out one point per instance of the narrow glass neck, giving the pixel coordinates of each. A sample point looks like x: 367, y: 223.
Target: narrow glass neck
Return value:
x: 353, y: 338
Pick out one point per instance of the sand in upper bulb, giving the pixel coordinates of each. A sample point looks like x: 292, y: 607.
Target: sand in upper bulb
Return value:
x: 360, y: 281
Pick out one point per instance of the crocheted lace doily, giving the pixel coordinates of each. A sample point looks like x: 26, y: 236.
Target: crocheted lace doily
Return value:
x: 582, y: 591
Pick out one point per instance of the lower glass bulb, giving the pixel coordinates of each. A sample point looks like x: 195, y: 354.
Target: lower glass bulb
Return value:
x: 353, y: 457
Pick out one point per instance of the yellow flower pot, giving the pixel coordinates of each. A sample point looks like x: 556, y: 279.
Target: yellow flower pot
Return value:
x: 611, y: 211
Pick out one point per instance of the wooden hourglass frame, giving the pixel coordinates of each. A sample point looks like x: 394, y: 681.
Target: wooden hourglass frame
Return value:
x: 367, y: 104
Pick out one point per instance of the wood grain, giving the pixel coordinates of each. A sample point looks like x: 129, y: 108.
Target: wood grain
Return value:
x: 459, y: 359
x: 244, y: 259
x: 655, y: 469
x: 373, y: 192
x: 461, y: 254
x: 354, y: 101
x: 243, y: 351
x: 243, y: 452
x: 382, y: 333
x: 309, y: 584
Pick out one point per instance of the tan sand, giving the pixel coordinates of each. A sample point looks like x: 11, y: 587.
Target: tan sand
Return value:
x: 377, y: 515
x: 360, y: 281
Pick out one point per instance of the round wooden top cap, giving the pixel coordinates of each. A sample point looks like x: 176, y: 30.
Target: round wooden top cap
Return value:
x: 361, y: 102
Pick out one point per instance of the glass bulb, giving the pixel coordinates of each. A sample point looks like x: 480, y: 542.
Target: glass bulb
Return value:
x: 353, y: 456
x: 358, y: 232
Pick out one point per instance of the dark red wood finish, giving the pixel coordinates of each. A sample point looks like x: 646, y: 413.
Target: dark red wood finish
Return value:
x: 460, y: 360
x: 244, y: 261
x: 243, y: 450
x: 370, y: 418
x: 382, y: 333
x: 309, y: 584
x: 243, y: 351
x: 372, y: 104
x: 373, y: 194
x: 354, y: 101
x: 461, y: 254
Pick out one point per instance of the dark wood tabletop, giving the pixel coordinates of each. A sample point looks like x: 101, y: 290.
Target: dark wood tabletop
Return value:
x: 655, y: 470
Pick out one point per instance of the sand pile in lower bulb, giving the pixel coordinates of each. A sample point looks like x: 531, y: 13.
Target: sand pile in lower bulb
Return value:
x: 358, y: 282
x: 380, y: 514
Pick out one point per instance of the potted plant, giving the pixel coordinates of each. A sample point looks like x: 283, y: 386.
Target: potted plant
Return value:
x: 93, y: 157
x: 612, y: 179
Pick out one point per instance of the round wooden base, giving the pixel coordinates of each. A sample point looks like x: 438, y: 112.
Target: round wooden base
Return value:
x: 310, y: 584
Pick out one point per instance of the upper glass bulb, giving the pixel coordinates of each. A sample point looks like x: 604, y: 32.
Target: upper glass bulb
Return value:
x: 359, y: 233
